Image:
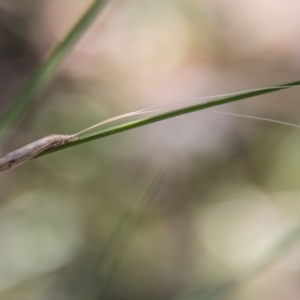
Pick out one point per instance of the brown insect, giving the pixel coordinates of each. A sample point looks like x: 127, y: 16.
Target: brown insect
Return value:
x: 23, y: 154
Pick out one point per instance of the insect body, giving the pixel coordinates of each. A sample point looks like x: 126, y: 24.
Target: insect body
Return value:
x: 21, y: 155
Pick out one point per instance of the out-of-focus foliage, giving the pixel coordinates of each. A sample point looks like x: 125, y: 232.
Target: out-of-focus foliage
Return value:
x: 230, y: 192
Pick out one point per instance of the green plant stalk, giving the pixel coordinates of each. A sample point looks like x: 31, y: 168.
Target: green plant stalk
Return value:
x: 94, y: 283
x: 220, y: 291
x: 43, y: 73
x: 171, y: 114
x: 119, y: 241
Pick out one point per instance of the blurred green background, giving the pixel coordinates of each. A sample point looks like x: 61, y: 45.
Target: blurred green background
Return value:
x: 192, y: 204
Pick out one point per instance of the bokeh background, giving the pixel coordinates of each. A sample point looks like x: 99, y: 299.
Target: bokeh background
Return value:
x: 202, y: 203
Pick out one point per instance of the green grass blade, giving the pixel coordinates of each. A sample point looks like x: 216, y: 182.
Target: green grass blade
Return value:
x: 126, y: 228
x: 171, y: 114
x: 96, y: 283
x: 216, y: 292
x: 43, y: 73
x: 221, y: 291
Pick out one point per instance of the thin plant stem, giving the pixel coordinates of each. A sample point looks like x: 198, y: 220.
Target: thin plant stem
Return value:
x: 221, y: 291
x: 170, y: 114
x: 96, y: 282
x: 46, y: 70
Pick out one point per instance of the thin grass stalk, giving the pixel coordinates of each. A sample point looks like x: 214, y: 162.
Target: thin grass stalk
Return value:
x: 221, y: 291
x: 171, y: 114
x: 46, y: 70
